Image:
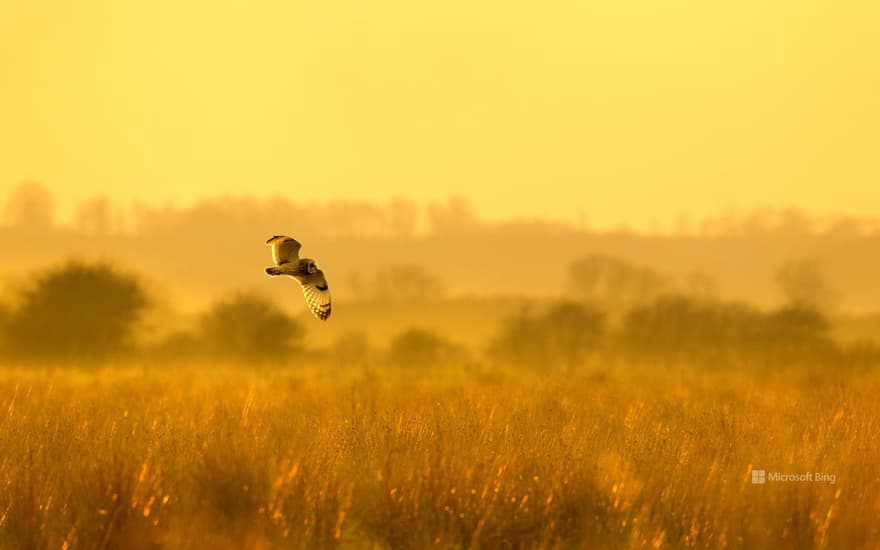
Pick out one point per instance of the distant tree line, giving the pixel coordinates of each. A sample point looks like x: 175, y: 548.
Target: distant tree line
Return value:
x: 616, y: 285
x: 30, y: 206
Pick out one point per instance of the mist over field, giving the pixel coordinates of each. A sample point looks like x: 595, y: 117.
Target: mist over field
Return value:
x: 405, y: 254
x: 524, y: 384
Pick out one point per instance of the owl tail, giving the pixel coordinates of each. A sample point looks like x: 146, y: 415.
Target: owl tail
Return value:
x: 273, y: 271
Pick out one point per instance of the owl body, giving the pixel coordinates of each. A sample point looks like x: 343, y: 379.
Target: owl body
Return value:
x: 285, y: 253
x: 298, y: 269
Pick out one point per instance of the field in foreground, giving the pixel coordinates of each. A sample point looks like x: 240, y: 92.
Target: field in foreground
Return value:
x: 620, y: 457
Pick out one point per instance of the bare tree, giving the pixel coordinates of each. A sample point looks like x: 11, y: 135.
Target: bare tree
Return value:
x: 614, y: 283
x: 399, y: 283
x: 804, y: 285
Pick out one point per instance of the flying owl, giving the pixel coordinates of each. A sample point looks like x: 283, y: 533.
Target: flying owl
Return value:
x: 285, y: 253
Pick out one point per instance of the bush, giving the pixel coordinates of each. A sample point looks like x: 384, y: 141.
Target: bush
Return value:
x: 676, y: 325
x: 248, y: 326
x: 679, y: 327
x: 352, y: 348
x: 418, y: 347
x: 77, y: 311
x: 563, y: 336
x: 177, y: 346
x: 798, y: 331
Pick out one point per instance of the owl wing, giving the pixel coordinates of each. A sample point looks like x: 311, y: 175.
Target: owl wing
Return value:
x: 317, y: 294
x: 284, y: 249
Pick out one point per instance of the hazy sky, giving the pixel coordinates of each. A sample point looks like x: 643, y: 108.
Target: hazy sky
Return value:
x: 628, y: 110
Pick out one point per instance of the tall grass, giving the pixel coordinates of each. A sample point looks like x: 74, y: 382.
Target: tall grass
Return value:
x: 611, y: 457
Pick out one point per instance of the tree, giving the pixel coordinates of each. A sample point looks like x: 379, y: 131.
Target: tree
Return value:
x: 682, y: 327
x: 97, y: 217
x: 403, y: 217
x: 248, y: 326
x: 797, y: 328
x: 456, y: 216
x: 805, y: 286
x: 563, y: 336
x: 77, y: 311
x: 399, y: 283
x: 614, y: 283
x: 29, y: 206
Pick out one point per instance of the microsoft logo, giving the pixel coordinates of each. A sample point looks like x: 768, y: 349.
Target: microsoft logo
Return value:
x: 760, y: 477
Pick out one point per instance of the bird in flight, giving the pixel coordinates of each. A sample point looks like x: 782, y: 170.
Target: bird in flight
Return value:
x: 285, y: 253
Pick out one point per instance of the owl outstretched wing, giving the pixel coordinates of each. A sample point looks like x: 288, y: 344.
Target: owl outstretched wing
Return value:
x: 317, y: 294
x: 284, y: 249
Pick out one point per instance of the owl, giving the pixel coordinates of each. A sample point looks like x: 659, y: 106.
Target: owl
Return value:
x: 285, y: 253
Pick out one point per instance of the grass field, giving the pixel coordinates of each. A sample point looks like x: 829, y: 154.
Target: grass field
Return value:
x: 618, y: 456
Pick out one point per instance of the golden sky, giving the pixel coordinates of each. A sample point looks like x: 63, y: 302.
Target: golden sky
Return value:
x: 627, y: 110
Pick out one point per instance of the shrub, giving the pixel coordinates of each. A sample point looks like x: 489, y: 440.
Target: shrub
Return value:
x: 248, y: 326
x: 177, y: 346
x: 563, y: 336
x: 352, y: 348
x: 78, y: 311
x: 418, y: 347
x: 677, y: 326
